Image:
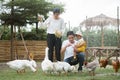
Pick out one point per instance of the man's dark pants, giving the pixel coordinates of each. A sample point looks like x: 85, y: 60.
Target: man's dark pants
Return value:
x: 80, y: 60
x: 53, y: 41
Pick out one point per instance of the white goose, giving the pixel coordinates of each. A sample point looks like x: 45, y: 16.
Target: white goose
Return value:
x: 47, y: 65
x: 20, y: 65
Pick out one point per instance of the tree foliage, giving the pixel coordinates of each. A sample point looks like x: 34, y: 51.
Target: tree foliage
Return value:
x: 31, y: 35
x: 94, y: 37
x: 25, y: 11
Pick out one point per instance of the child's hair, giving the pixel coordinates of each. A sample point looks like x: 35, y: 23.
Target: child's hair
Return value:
x: 70, y: 33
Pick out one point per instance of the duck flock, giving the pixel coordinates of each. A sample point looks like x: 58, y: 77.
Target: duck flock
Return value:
x: 47, y: 66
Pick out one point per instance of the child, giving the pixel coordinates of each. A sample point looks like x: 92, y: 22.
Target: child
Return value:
x: 80, y: 45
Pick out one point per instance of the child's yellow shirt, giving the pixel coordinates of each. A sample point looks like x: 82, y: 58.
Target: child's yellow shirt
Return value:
x: 81, y: 46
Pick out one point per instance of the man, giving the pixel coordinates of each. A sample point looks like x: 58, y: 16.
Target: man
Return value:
x: 68, y: 50
x: 55, y: 26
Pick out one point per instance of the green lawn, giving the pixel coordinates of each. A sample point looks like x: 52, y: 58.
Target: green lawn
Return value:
x: 8, y: 74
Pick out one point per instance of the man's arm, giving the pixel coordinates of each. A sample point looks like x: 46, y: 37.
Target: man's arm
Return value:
x: 47, y: 22
x: 62, y: 27
x: 63, y: 49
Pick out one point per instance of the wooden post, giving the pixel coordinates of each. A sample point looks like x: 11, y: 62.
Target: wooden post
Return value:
x: 102, y: 36
x: 36, y: 24
x: 11, y: 50
x: 12, y: 24
x: 86, y: 31
x: 118, y: 27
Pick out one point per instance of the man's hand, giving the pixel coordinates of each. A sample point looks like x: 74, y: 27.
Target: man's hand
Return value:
x: 64, y: 48
x: 75, y: 49
x: 58, y: 34
x: 68, y: 45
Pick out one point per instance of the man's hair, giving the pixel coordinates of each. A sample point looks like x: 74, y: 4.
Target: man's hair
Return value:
x: 56, y: 10
x: 70, y: 33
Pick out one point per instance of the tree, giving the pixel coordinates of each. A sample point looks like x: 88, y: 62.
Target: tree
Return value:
x: 24, y: 14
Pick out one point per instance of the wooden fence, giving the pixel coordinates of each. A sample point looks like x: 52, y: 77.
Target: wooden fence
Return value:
x: 38, y: 49
x: 35, y: 47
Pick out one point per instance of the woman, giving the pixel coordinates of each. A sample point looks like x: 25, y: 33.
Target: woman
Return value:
x: 55, y: 26
x: 68, y: 50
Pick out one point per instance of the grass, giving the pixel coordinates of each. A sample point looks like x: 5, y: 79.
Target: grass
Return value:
x: 8, y: 74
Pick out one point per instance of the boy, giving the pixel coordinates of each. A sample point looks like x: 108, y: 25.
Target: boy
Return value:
x: 80, y: 45
x: 55, y: 27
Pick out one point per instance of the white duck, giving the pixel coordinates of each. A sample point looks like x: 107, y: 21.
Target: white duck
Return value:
x: 60, y: 67
x: 20, y: 65
x: 47, y: 65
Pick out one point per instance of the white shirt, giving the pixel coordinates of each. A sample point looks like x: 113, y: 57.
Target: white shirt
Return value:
x: 69, y: 50
x: 53, y: 25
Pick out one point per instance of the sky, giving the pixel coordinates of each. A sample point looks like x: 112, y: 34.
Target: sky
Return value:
x: 77, y: 10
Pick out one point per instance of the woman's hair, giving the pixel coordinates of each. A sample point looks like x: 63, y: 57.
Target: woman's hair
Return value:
x: 56, y: 10
x: 70, y: 33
